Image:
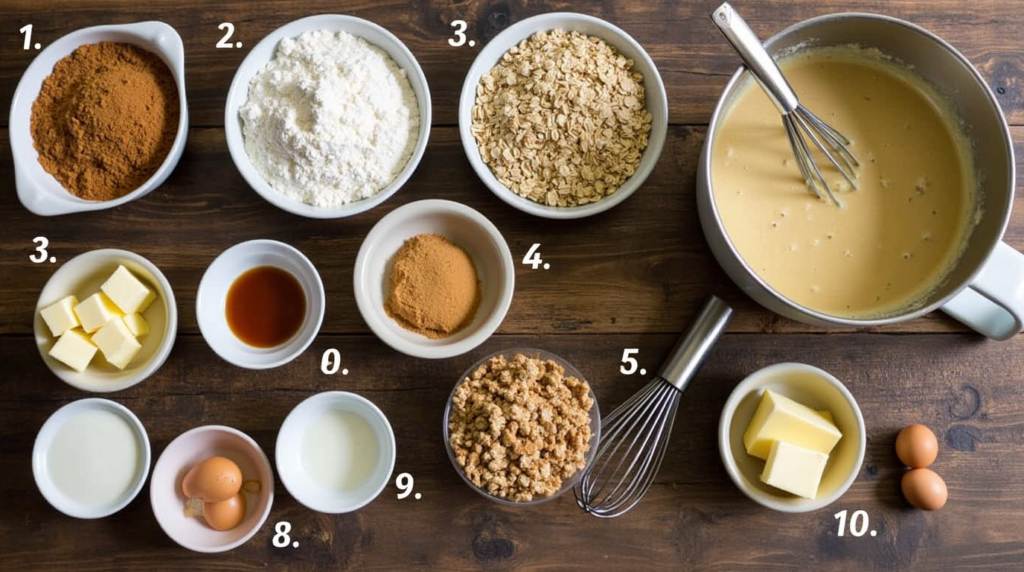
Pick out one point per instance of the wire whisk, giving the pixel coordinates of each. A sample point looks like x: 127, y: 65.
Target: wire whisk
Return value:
x: 635, y: 436
x: 797, y: 119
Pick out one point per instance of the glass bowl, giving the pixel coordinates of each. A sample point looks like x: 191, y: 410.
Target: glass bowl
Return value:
x: 595, y: 426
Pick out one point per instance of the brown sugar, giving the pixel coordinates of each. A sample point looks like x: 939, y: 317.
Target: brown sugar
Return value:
x: 434, y: 289
x: 105, y: 119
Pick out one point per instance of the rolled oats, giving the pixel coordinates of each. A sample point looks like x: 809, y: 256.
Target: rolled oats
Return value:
x: 561, y: 120
x: 519, y: 427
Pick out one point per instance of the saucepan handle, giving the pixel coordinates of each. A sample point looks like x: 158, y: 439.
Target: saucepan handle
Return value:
x: 993, y: 304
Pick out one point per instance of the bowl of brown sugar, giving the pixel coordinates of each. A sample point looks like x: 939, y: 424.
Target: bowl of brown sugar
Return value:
x: 99, y: 118
x: 434, y: 279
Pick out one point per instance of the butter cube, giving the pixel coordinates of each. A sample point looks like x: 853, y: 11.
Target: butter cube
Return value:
x: 779, y: 418
x: 794, y: 469
x: 137, y: 325
x: 127, y: 291
x: 117, y: 343
x: 826, y: 416
x: 60, y: 316
x: 95, y: 311
x: 73, y: 349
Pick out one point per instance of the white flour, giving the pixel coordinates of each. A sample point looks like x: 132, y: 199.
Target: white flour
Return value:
x: 330, y: 120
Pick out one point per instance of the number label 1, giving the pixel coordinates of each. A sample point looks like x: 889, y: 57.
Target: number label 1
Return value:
x: 229, y: 30
x: 41, y: 255
x: 331, y: 362
x: 533, y: 259
x: 859, y: 522
x: 460, y: 35
x: 281, y: 538
x: 405, y: 483
x: 28, y: 45
x: 629, y: 364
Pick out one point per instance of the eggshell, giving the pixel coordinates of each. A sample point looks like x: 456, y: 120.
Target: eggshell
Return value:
x: 916, y: 446
x: 214, y: 480
x: 225, y: 515
x: 924, y: 489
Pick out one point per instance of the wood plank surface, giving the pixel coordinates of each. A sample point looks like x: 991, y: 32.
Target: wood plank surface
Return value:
x: 694, y: 61
x: 631, y: 277
x: 642, y: 267
x: 694, y: 518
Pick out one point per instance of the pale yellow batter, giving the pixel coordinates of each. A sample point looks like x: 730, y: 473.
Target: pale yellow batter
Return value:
x: 899, y: 234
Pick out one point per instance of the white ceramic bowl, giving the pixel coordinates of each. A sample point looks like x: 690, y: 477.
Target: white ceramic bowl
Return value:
x: 44, y: 440
x: 168, y: 500
x: 38, y: 190
x: 814, y: 388
x: 464, y: 227
x: 258, y: 58
x: 82, y: 276
x: 656, y: 100
x: 305, y: 488
x: 211, y: 302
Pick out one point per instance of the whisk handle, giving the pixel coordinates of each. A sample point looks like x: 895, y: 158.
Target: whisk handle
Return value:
x: 695, y: 345
x: 757, y: 59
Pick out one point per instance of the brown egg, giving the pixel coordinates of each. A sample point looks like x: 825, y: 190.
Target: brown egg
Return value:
x: 214, y: 480
x: 225, y: 515
x: 924, y: 489
x: 916, y: 446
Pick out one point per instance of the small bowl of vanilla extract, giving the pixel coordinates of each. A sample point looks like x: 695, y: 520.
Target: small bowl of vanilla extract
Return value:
x: 260, y: 304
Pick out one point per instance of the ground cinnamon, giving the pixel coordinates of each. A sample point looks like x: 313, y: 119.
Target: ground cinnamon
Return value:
x: 105, y: 119
x: 434, y: 287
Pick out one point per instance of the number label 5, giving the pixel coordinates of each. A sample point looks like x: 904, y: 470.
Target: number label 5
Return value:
x: 629, y: 364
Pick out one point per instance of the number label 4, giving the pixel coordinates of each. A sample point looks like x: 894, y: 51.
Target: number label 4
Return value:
x: 533, y: 259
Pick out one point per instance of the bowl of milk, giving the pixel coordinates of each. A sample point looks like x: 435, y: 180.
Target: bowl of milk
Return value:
x: 335, y: 452
x: 91, y: 458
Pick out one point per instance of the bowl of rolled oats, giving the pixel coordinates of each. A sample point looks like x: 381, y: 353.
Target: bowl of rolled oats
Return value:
x: 521, y: 426
x: 563, y: 115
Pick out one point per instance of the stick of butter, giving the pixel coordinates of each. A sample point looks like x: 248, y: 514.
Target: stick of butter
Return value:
x: 779, y: 418
x: 794, y: 469
x: 127, y: 291
x: 74, y: 349
x: 60, y: 316
x: 117, y: 343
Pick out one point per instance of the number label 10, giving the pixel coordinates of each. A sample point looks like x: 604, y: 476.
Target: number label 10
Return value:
x: 859, y: 523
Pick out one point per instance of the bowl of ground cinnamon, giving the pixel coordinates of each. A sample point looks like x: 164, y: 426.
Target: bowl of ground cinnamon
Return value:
x: 434, y: 279
x: 99, y: 118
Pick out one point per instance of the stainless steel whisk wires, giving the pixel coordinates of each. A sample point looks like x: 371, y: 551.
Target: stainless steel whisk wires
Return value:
x: 797, y: 119
x: 635, y: 436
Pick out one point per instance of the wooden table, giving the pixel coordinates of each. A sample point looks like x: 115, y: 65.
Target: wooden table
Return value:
x: 632, y: 277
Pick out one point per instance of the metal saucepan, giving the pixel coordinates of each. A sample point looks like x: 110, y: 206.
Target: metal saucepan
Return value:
x: 986, y: 288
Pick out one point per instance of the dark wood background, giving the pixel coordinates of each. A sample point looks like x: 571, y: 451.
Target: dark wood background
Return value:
x: 631, y: 277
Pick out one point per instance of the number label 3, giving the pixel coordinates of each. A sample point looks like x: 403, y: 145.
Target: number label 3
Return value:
x: 460, y: 35
x: 41, y: 255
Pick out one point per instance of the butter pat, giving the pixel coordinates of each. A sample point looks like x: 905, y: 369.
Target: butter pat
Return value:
x: 74, y: 349
x: 60, y: 317
x: 137, y: 325
x: 117, y: 343
x: 127, y: 291
x: 95, y: 311
x: 794, y: 469
x: 779, y: 418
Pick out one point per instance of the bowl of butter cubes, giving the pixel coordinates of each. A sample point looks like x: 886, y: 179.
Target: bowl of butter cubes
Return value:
x: 106, y: 320
x: 792, y: 437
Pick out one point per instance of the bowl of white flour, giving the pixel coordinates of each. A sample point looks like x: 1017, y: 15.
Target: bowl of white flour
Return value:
x: 328, y: 116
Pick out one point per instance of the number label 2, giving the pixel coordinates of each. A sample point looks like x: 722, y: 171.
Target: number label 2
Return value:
x: 229, y: 30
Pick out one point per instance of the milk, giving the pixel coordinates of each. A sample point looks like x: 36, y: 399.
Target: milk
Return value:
x: 94, y: 458
x: 340, y: 450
